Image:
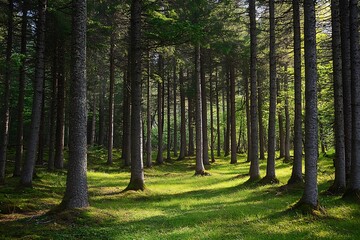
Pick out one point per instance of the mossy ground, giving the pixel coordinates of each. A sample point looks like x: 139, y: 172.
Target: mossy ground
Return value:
x: 175, y: 205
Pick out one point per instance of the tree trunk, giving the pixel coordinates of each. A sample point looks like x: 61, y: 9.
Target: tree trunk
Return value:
x: 137, y: 171
x: 310, y: 195
x: 93, y: 121
x: 183, y: 120
x: 296, y: 174
x: 287, y: 120
x: 199, y: 169
x: 261, y: 124
x: 254, y: 165
x: 354, y: 184
x: 28, y: 170
x: 340, y: 176
x: 174, y: 112
x: 60, y: 122
x: 346, y: 78
x: 233, y: 116
x: 111, y: 101
x: 101, y: 140
x: 218, y: 148
x: 159, y: 158
x: 228, y: 115
x: 40, y: 156
x: 270, y: 165
x: 248, y: 117
x: 168, y: 147
x: 148, y: 116
x: 281, y: 122
x: 204, y: 109
x: 191, y: 148
x: 223, y: 90
x: 76, y: 193
x: 126, y: 153
x: 211, y: 116
x: 20, y: 106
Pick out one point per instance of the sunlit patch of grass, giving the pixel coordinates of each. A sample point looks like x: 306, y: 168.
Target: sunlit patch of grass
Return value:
x: 176, y: 205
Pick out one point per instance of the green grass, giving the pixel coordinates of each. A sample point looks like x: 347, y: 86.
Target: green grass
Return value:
x: 176, y: 205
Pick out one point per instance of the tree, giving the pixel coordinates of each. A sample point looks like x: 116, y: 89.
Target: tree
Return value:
x: 28, y: 170
x: 233, y: 116
x: 148, y: 116
x: 6, y: 97
x: 254, y: 165
x: 204, y: 108
x: 159, y: 158
x: 182, y: 116
x: 137, y: 171
x: 310, y: 196
x: 76, y: 193
x: 111, y: 100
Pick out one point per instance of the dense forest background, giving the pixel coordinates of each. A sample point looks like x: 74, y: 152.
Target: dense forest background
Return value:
x: 154, y: 82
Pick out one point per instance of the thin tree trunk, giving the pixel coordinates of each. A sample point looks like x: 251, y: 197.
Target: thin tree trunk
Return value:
x: 296, y: 174
x: 102, y: 112
x: 137, y: 171
x: 211, y: 115
x: 281, y: 121
x: 287, y: 120
x: 254, y: 165
x: 111, y: 101
x: 228, y: 115
x: 191, y: 148
x: 310, y: 195
x: 232, y: 115
x: 199, y: 169
x: 261, y: 124
x: 20, y: 106
x: 217, y: 114
x: 183, y: 120
x: 270, y: 165
x: 168, y: 147
x: 174, y: 112
x: 76, y: 193
x: 60, y: 122
x: 204, y: 109
x: 148, y: 116
x: 159, y: 158
x: 29, y: 165
x: 40, y: 155
x: 346, y: 78
x: 93, y: 121
x: 248, y: 117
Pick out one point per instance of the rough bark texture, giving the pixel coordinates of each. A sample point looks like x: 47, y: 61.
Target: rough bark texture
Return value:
x: 254, y: 165
x: 248, y: 117
x: 287, y: 120
x: 191, y: 149
x: 126, y: 153
x: 296, y: 173
x: 76, y: 193
x: 159, y: 158
x: 310, y: 195
x: 270, y: 165
x: 281, y: 121
x: 175, y: 111
x: 111, y: 101
x: 346, y: 78
x: 211, y: 117
x: 148, y: 116
x: 199, y: 168
x: 20, y: 106
x: 101, y: 139
x: 60, y: 120
x: 93, y: 121
x: 28, y: 170
x: 228, y: 115
x: 204, y: 109
x: 182, y: 117
x: 137, y: 171
x: 168, y: 147
x: 354, y: 184
x: 233, y: 116
x: 40, y: 155
x: 340, y: 176
x: 260, y: 117
x: 218, y: 148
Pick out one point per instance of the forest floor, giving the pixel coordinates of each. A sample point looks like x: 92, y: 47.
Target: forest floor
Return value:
x: 176, y: 205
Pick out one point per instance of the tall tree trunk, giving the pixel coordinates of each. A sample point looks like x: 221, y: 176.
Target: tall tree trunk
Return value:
x: 60, y: 121
x: 354, y: 184
x: 296, y: 174
x: 248, y: 117
x: 261, y: 124
x: 310, y: 195
x: 174, y: 112
x: 211, y: 115
x: 218, y: 148
x: 126, y: 153
x: 232, y: 115
x: 137, y: 172
x: 228, y: 115
x: 223, y: 90
x: 281, y: 121
x: 54, y: 94
x: 346, y: 78
x: 20, y: 106
x: 40, y: 155
x: 111, y: 101
x: 199, y: 169
x: 28, y: 170
x: 191, y: 148
x: 287, y: 120
x: 101, y: 140
x: 204, y: 109
x: 148, y: 116
x: 6, y: 96
x: 183, y: 112
x: 93, y: 121
x: 168, y: 147
x: 159, y: 158
x: 340, y: 174
x: 270, y: 165
x: 76, y: 193
x: 254, y: 165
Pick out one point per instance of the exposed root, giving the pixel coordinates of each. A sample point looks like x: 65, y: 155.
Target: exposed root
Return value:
x: 335, y: 189
x: 202, y: 173
x: 306, y: 208
x: 269, y: 180
x: 352, y: 195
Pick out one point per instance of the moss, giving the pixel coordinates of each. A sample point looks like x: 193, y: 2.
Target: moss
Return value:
x: 309, y: 209
x: 269, y: 180
x: 135, y: 185
x: 202, y: 173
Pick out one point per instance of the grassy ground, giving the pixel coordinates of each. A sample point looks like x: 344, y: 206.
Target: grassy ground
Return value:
x: 176, y: 205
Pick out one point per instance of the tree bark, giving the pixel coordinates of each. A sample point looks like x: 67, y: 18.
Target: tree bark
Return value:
x: 101, y: 140
x: 159, y: 158
x: 254, y: 165
x: 211, y: 115
x: 40, y: 155
x: 204, y: 109
x: 218, y: 148
x: 111, y: 101
x: 281, y: 121
x: 248, y: 117
x: 137, y: 171
x: 148, y: 116
x: 174, y: 111
x: 183, y: 120
x: 29, y: 165
x: 191, y: 148
x: 93, y: 121
x: 228, y: 114
x: 261, y: 124
x: 76, y: 193
x: 296, y: 173
x: 168, y: 147
x: 287, y: 120
x: 20, y: 106
x: 233, y: 116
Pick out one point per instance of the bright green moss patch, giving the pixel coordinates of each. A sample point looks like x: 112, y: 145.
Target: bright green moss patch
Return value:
x: 175, y: 205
